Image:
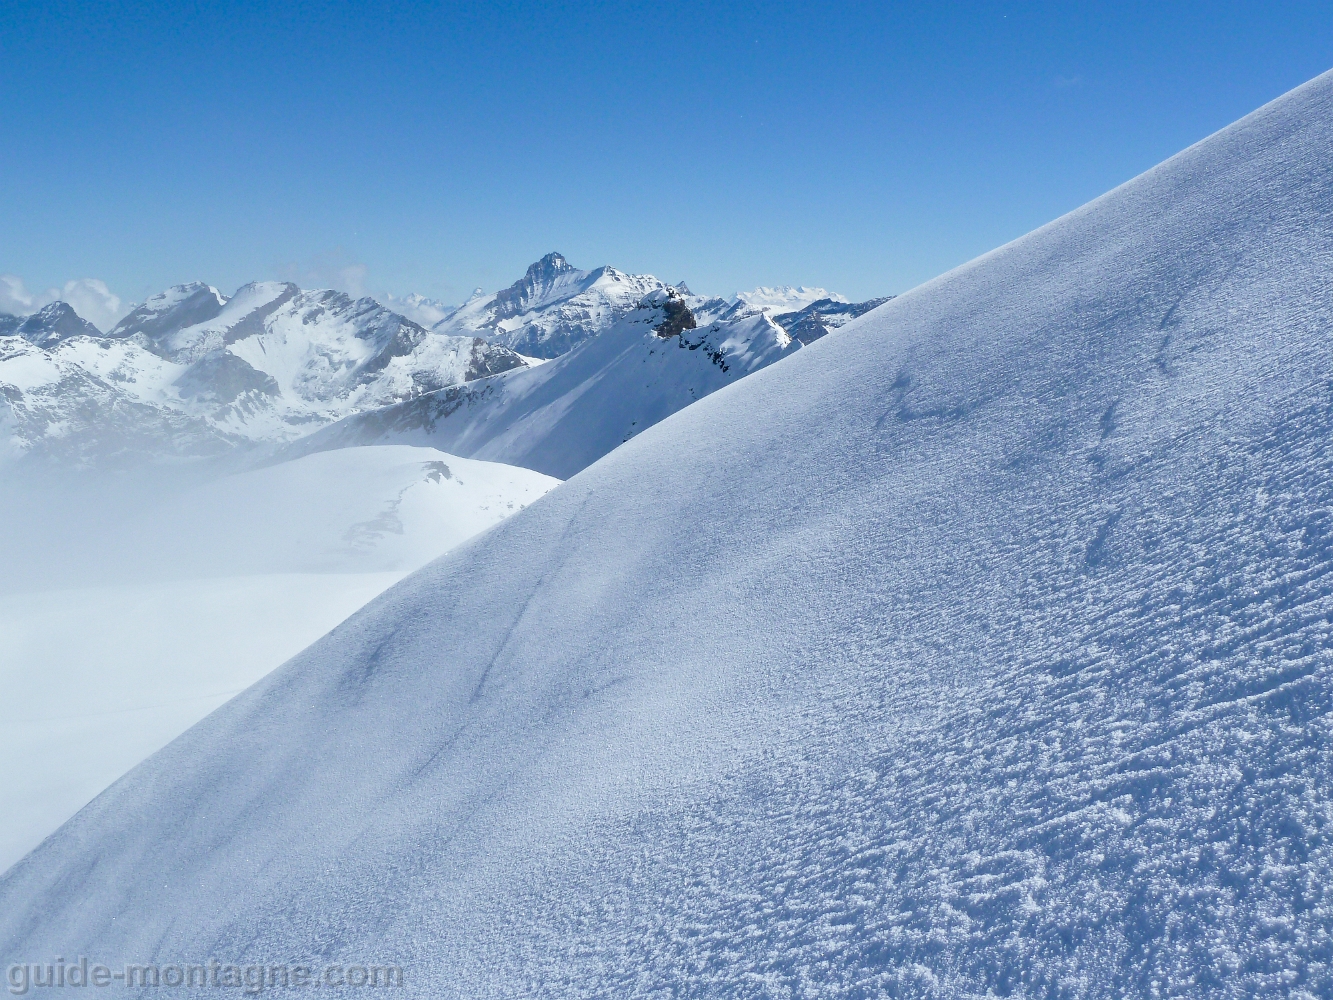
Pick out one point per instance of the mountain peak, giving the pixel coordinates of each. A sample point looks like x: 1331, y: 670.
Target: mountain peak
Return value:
x: 55, y: 322
x: 536, y: 284
x: 550, y: 266
x: 166, y: 312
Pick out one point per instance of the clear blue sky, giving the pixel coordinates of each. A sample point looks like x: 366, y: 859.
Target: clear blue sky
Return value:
x: 864, y: 147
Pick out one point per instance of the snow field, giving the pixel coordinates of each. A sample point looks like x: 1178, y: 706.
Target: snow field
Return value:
x: 979, y: 649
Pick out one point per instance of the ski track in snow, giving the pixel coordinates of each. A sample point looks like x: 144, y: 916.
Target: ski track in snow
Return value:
x: 981, y: 648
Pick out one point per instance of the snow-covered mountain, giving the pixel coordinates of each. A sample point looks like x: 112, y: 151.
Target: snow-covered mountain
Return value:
x: 562, y: 416
x: 822, y: 316
x: 178, y: 308
x: 786, y: 298
x: 554, y: 307
x: 191, y: 372
x: 314, y: 351
x: 87, y: 400
x: 982, y: 648
x: 48, y: 326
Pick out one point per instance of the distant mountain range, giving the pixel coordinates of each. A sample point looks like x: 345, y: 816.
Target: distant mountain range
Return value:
x: 560, y: 417
x: 982, y: 649
x: 192, y: 373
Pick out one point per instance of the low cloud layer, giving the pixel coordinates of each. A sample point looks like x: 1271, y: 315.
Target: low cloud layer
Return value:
x: 90, y: 298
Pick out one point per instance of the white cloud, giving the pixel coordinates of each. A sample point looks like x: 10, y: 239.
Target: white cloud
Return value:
x: 90, y: 298
x: 95, y: 302
x: 16, y: 300
x: 329, y: 271
x: 417, y: 308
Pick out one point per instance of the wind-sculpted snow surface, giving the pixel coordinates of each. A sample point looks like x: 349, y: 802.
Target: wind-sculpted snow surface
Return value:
x: 980, y: 649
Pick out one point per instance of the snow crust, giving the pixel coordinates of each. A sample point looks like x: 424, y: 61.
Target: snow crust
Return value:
x: 980, y: 649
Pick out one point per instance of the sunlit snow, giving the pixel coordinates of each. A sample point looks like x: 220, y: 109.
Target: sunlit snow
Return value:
x: 980, y: 648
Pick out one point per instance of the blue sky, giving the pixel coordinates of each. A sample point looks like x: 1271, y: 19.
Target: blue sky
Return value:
x: 434, y: 148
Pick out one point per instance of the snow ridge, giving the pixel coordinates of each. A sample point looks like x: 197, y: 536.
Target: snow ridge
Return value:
x: 560, y: 417
x: 982, y: 648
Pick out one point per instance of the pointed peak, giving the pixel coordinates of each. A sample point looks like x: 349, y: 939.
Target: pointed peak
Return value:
x: 549, y: 266
x: 55, y: 310
x: 55, y: 322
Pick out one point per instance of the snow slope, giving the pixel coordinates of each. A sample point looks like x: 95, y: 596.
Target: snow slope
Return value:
x: 388, y: 508
x: 560, y: 417
x: 180, y: 598
x: 98, y: 678
x: 979, y: 649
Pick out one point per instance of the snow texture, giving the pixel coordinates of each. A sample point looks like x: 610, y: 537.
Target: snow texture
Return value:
x: 982, y: 648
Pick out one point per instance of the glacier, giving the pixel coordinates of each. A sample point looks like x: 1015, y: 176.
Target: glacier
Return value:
x: 980, y: 648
